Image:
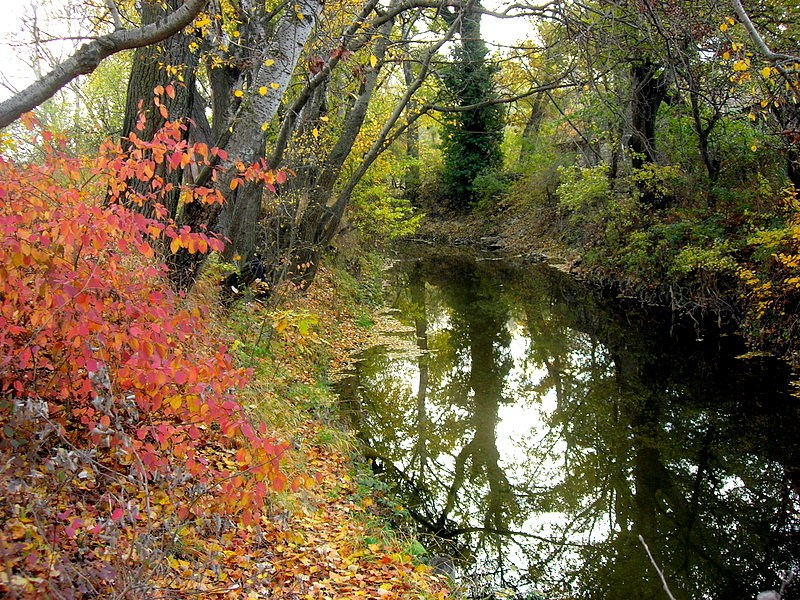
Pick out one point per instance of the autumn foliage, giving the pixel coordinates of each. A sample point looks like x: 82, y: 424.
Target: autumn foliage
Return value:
x: 121, y: 431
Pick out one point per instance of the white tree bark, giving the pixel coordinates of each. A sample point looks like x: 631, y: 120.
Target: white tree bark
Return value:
x: 90, y: 55
x: 278, y: 61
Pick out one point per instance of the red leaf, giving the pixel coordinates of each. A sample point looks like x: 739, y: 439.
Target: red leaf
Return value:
x: 180, y: 377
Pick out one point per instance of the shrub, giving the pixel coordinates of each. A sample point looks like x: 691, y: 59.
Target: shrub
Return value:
x: 379, y: 216
x: 122, y: 434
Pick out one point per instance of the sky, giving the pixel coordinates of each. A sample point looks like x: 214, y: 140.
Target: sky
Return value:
x: 14, y: 53
x: 10, y: 67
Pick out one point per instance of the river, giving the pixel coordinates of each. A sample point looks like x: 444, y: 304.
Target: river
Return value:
x: 534, y: 430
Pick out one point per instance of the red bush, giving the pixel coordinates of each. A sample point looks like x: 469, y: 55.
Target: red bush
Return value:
x: 119, y: 418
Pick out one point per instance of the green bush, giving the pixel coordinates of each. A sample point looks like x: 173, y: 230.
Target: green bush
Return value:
x: 380, y: 216
x: 584, y: 188
x: 490, y: 188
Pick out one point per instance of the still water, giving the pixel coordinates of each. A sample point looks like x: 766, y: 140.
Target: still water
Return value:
x: 538, y: 430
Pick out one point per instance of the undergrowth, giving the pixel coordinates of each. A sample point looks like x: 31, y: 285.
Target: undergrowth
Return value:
x: 154, y: 445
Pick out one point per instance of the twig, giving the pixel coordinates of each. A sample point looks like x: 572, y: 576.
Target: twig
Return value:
x: 660, y: 574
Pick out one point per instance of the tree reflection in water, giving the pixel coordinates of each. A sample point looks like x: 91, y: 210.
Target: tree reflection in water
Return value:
x: 541, y: 430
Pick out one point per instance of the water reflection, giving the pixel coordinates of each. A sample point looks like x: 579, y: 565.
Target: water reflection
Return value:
x: 539, y: 431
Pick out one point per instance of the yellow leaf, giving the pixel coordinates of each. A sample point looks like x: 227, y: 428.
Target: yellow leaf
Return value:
x: 264, y: 126
x: 269, y: 62
x: 753, y: 147
x: 315, y: 132
x: 175, y: 245
x: 324, y: 118
x: 741, y: 65
x: 274, y: 85
x: 193, y: 403
x: 766, y: 72
x: 234, y: 183
x: 262, y: 90
x: 723, y: 27
x: 373, y: 60
x: 238, y: 93
x: 202, y: 20
x: 726, y: 55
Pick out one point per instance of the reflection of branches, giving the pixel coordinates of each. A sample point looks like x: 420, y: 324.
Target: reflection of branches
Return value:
x: 426, y: 521
x: 660, y: 574
x: 452, y: 491
x: 514, y: 533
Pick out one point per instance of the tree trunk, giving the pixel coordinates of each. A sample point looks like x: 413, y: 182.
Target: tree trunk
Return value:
x: 272, y: 65
x: 246, y: 145
x: 534, y: 122
x: 648, y: 90
x: 317, y: 224
x: 147, y: 72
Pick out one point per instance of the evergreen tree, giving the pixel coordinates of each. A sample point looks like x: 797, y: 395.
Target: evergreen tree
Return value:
x: 472, y: 137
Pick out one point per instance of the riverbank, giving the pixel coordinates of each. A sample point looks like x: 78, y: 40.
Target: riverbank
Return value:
x: 510, y: 234
x: 203, y: 456
x: 742, y: 288
x: 332, y: 539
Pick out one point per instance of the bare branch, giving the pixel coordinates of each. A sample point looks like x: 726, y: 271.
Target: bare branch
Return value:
x: 90, y: 55
x: 556, y: 85
x: 112, y: 8
x: 756, y: 36
x: 378, y: 145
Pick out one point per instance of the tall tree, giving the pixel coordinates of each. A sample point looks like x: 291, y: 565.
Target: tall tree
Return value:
x: 472, y: 137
